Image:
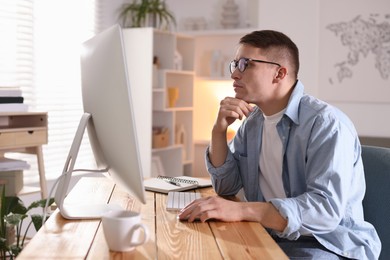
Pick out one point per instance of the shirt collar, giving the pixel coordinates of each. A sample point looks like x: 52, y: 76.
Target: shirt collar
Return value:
x: 293, y: 103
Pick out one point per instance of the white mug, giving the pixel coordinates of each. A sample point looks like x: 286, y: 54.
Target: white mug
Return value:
x: 123, y: 230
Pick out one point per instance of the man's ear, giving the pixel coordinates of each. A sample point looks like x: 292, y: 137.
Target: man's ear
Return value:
x: 280, y: 74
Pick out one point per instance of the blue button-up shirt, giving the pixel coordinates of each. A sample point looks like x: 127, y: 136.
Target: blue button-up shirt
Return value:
x: 323, y: 175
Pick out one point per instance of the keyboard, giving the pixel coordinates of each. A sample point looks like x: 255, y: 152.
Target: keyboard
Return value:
x: 177, y: 200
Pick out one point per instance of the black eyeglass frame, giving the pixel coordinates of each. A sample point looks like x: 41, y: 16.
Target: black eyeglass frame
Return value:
x: 235, y: 63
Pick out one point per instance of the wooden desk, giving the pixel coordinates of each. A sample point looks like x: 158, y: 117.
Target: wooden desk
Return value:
x: 25, y: 132
x: 171, y: 239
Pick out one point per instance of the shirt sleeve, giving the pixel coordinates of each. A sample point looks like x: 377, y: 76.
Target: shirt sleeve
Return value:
x: 286, y: 209
x: 225, y: 178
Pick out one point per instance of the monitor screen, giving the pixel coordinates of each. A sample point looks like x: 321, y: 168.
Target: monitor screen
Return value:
x: 110, y: 120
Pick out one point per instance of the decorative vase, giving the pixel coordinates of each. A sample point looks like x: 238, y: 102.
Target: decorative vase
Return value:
x: 230, y: 15
x: 173, y: 95
x: 10, y: 232
x: 181, y: 138
x: 178, y: 61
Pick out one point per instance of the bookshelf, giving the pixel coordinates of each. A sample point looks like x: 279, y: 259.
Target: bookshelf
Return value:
x: 151, y: 84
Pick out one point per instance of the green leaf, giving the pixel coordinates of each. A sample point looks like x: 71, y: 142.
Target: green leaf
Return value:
x: 37, y: 221
x: 139, y: 11
x: 3, y: 242
x: 2, y: 212
x: 40, y: 203
x: 15, y: 219
x: 16, y: 250
x: 14, y: 205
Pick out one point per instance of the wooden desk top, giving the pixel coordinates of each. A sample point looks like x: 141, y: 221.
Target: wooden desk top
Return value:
x: 171, y: 239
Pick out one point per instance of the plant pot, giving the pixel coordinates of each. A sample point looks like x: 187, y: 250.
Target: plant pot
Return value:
x: 10, y: 234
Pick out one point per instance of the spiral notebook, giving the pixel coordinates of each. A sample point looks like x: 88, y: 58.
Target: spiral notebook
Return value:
x: 165, y: 184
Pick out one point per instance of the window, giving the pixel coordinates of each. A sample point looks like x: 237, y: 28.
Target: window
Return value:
x: 39, y: 51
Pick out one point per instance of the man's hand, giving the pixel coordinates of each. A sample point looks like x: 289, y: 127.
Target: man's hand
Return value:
x: 230, y: 110
x: 212, y: 208
x: 225, y: 210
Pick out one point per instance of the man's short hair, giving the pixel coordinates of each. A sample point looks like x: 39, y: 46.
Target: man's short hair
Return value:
x: 277, y: 46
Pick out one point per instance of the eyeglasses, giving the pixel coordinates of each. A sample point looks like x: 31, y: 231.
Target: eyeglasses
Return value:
x: 242, y: 64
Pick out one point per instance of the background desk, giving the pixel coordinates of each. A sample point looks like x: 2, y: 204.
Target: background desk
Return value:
x: 25, y: 132
x: 171, y: 239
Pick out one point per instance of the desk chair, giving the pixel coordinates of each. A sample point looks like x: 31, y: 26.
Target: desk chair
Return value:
x: 376, y: 203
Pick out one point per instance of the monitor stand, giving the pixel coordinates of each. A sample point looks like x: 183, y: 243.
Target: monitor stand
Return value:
x: 78, y: 211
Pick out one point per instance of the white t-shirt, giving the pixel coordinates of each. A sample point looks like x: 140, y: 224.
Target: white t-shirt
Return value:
x: 271, y: 159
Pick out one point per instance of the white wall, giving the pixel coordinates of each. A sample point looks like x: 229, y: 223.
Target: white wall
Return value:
x: 298, y: 20
x: 108, y: 13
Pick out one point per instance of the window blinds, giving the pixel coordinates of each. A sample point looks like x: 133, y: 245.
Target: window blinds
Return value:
x: 39, y: 51
x: 58, y: 37
x: 17, y: 52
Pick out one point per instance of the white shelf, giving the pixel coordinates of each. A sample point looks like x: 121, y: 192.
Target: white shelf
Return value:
x: 154, y: 85
x: 158, y: 90
x: 204, y: 78
x: 183, y: 81
x: 166, y: 149
x: 220, y: 32
x: 176, y: 109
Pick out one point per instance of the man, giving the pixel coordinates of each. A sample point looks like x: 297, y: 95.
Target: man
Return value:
x: 297, y: 159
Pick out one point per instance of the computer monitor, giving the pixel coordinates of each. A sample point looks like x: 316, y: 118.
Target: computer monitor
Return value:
x: 109, y: 118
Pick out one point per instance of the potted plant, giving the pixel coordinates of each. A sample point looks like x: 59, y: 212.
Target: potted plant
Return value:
x: 152, y: 13
x: 12, y: 216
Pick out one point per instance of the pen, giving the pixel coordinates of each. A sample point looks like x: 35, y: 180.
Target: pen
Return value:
x: 173, y: 183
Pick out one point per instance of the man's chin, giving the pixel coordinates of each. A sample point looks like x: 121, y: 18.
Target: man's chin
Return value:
x: 238, y: 96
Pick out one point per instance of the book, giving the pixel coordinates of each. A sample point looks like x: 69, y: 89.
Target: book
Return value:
x: 10, y: 99
x: 13, y: 107
x: 10, y: 91
x: 165, y: 184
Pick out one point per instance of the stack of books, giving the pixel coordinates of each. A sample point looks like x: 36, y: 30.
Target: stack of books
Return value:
x: 11, y: 100
x: 11, y: 174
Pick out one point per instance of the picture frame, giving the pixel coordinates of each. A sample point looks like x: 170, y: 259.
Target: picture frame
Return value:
x: 157, y: 167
